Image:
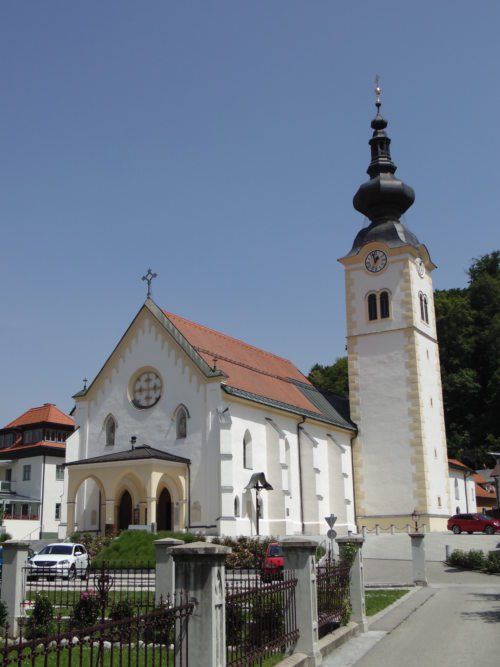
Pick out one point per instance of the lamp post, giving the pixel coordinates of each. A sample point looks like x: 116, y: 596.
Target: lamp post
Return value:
x: 415, y: 517
x: 258, y: 482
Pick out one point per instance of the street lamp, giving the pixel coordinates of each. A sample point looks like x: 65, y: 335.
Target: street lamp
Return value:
x: 415, y: 516
x: 258, y: 482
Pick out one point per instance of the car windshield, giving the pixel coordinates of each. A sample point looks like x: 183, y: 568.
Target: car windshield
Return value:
x: 56, y: 549
x: 275, y: 550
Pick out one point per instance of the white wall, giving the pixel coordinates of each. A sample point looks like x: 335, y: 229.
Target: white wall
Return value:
x: 462, y: 493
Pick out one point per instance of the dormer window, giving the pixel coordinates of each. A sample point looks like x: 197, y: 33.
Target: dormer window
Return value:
x: 110, y: 427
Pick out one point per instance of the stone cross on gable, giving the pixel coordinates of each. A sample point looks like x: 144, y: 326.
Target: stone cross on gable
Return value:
x: 149, y: 278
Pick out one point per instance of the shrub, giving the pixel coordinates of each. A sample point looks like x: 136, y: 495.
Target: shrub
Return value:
x: 160, y: 630
x: 268, y: 621
x: 469, y: 560
x: 121, y: 610
x: 3, y: 613
x: 41, y: 622
x: 86, y: 611
x: 492, y: 564
x: 5, y: 536
x: 347, y: 553
x: 235, y: 624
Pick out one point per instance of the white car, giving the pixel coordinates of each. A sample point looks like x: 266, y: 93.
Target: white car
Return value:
x: 61, y: 559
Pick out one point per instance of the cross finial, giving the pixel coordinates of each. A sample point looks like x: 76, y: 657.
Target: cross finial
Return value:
x: 377, y: 91
x: 85, y: 384
x: 148, y: 278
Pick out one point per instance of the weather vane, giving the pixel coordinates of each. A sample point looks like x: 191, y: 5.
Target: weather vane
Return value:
x: 148, y: 278
x: 377, y: 91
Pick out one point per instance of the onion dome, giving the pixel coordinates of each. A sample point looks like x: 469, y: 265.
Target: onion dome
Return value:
x: 384, y: 198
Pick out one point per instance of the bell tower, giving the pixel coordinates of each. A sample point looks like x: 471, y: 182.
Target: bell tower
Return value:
x: 400, y: 454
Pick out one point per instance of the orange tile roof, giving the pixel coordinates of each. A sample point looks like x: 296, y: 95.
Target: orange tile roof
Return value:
x: 41, y: 443
x: 458, y: 464
x: 482, y: 493
x: 48, y: 412
x: 248, y: 368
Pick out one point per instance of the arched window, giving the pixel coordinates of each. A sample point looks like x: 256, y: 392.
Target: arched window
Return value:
x: 181, y: 422
x: 426, y: 311
x: 236, y: 506
x: 457, y: 490
x: 110, y: 428
x: 372, y: 307
x: 247, y: 451
x: 384, y: 304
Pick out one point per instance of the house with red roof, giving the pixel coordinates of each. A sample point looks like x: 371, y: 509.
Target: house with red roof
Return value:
x: 32, y: 451
x: 486, y: 496
x: 462, y: 487
x: 185, y: 427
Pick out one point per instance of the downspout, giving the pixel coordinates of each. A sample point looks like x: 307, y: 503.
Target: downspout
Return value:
x: 466, y: 474
x: 189, y: 495
x: 353, y: 437
x: 299, y: 424
x: 41, y: 497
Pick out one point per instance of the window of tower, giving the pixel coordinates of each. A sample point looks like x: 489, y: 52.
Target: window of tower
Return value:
x: 424, y: 316
x: 384, y: 304
x: 372, y: 307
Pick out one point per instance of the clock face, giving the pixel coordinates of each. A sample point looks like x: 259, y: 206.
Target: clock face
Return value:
x: 146, y: 390
x: 420, y: 267
x: 375, y: 261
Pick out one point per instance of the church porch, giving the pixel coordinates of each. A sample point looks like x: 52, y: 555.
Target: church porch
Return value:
x: 143, y: 487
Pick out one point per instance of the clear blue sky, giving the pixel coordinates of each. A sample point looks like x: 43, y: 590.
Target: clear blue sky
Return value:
x: 220, y: 143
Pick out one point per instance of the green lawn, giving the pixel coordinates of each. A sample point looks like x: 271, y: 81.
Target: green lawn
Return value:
x: 87, y: 657
x: 379, y: 599
x: 136, y: 547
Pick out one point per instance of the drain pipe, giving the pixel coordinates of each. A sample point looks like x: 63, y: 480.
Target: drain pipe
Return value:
x: 299, y: 424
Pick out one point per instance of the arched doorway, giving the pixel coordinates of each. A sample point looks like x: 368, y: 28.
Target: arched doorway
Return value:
x: 164, y: 511
x: 125, y: 511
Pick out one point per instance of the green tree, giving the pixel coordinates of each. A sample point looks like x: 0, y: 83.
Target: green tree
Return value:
x: 334, y: 378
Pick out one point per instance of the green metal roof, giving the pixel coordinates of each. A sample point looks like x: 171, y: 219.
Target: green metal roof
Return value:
x: 327, y: 414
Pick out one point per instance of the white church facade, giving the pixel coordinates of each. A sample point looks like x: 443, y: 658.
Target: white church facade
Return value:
x: 178, y: 421
x: 183, y: 425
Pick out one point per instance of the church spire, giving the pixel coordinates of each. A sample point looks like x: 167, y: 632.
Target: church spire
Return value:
x: 384, y: 197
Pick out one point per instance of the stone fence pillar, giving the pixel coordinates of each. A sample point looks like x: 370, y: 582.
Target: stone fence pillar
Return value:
x: 15, y: 555
x: 356, y: 579
x: 165, y: 576
x: 199, y: 569
x: 299, y: 556
x: 418, y: 559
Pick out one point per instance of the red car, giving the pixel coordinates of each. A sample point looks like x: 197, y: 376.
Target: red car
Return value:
x: 273, y: 563
x: 473, y: 523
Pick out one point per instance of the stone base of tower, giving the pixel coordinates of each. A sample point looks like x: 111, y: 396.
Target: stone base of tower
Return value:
x: 398, y: 523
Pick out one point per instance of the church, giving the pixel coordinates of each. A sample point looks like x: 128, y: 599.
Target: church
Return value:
x: 186, y: 428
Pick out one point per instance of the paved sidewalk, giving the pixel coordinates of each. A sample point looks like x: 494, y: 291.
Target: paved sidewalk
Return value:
x: 452, y: 622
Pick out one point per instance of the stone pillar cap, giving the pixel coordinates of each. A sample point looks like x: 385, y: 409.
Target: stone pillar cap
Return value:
x: 298, y: 543
x: 168, y: 541
x: 347, y: 539
x: 201, y: 549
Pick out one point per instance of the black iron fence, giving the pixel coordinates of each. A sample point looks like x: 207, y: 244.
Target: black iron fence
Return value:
x: 260, y: 616
x: 332, y: 581
x: 156, y: 638
x: 135, y: 586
